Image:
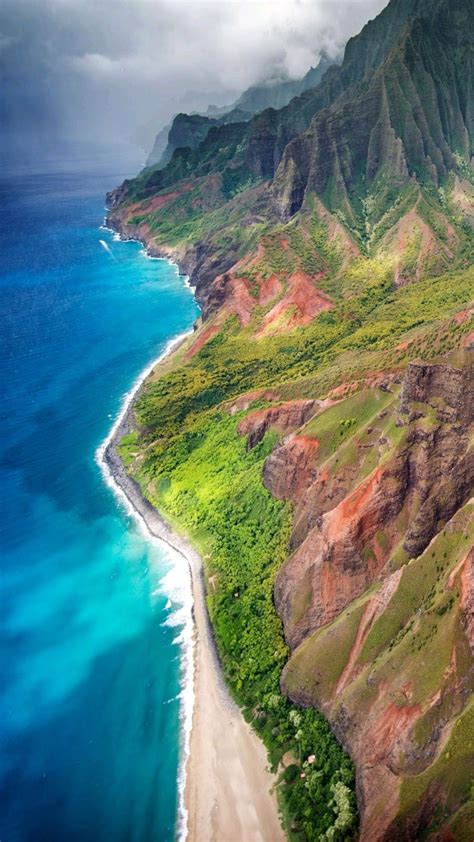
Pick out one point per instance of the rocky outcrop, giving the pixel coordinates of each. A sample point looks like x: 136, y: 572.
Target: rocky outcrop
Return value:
x: 338, y: 518
x: 291, y: 467
x: 356, y: 626
x: 340, y: 557
x: 284, y: 417
x: 398, y: 108
x: 189, y: 130
x: 437, y: 384
x: 398, y: 709
x: 467, y: 596
x: 395, y: 115
x: 443, y: 478
x: 299, y: 306
x: 397, y: 122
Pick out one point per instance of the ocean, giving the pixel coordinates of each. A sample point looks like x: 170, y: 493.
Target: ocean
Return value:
x: 92, y: 622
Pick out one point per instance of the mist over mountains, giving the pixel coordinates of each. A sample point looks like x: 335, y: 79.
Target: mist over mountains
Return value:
x: 79, y: 73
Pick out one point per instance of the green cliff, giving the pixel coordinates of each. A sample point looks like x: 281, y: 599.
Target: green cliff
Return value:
x: 189, y: 130
x: 314, y: 435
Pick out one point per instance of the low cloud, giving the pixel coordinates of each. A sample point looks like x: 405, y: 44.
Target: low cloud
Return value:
x: 93, y: 69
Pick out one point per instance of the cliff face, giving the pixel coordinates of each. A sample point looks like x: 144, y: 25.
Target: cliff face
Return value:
x: 189, y: 130
x: 331, y: 246
x: 406, y: 119
x: 380, y: 149
x: 376, y: 599
x: 400, y: 105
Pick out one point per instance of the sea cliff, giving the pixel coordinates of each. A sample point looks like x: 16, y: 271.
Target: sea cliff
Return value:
x: 237, y: 800
x: 313, y: 434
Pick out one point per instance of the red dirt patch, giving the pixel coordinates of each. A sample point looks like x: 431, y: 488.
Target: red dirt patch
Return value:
x: 269, y: 289
x: 467, y: 596
x: 303, y: 300
x: 284, y: 417
x: 394, y: 721
x: 239, y: 302
x: 164, y: 199
x: 201, y: 340
x: 463, y: 316
x: 244, y: 401
x: 403, y: 345
x: 290, y: 468
x: 356, y: 503
x: 469, y: 340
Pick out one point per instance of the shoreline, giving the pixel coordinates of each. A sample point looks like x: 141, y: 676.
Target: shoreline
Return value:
x: 224, y: 787
x: 154, y: 527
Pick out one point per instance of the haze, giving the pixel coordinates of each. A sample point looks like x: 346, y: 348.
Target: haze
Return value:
x: 79, y: 74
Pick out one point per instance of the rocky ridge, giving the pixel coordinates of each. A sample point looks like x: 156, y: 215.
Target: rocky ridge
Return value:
x: 310, y: 233
x: 360, y: 533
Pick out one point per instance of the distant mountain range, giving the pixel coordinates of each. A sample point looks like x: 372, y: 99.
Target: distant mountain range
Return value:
x: 189, y: 130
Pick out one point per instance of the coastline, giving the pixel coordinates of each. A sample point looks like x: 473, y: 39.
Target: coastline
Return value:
x: 224, y: 787
x: 154, y: 527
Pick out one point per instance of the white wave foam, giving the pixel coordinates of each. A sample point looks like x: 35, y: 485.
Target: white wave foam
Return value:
x: 176, y: 583
x: 144, y: 251
x: 176, y: 618
x: 173, y: 699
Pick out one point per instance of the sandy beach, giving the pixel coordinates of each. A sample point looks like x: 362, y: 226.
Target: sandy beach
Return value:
x: 228, y: 788
x: 228, y: 793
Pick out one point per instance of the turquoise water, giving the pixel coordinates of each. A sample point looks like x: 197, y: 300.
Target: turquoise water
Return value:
x: 90, y: 625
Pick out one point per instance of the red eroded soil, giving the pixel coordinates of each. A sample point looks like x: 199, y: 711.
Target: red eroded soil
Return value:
x: 356, y: 506
x: 302, y: 300
x: 467, y: 596
x: 239, y: 301
x: 463, y: 316
x: 244, y: 401
x: 395, y: 721
x: 201, y: 340
x: 160, y: 201
x: 270, y: 288
x: 469, y: 340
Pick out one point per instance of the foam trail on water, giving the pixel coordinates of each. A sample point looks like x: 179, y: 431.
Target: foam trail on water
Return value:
x: 176, y: 583
x: 108, y: 249
x: 118, y: 237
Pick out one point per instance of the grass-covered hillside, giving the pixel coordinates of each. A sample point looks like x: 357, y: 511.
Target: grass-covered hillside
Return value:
x: 313, y: 437
x: 193, y: 463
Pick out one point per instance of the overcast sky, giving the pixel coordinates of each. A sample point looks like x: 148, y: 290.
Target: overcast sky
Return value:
x: 96, y: 70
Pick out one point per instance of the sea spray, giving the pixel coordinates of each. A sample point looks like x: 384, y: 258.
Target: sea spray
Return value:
x: 176, y: 587
x: 117, y: 237
x: 176, y: 584
x: 107, y: 248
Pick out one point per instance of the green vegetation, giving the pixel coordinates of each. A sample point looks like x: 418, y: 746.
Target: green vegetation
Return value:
x: 212, y: 488
x: 343, y: 420
x: 369, y: 204
x: 453, y: 770
x: 191, y: 462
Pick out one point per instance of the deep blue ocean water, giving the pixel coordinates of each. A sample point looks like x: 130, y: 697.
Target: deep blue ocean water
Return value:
x: 90, y: 663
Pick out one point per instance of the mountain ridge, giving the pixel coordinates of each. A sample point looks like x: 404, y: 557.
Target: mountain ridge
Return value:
x: 181, y: 132
x: 325, y: 400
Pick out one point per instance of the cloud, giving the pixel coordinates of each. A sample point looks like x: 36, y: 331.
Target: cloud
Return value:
x: 99, y: 69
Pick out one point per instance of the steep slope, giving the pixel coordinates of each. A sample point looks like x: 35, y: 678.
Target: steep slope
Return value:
x: 277, y: 94
x: 393, y: 539
x: 407, y: 120
x: 314, y: 434
x: 387, y: 158
x: 189, y: 130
